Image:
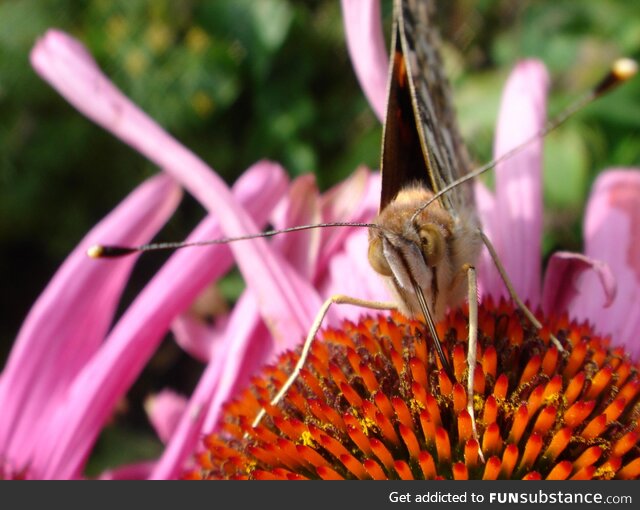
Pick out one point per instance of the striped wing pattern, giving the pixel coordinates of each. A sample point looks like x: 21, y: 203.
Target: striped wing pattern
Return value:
x: 416, y: 42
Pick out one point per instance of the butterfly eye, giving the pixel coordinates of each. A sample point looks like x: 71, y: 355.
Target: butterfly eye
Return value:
x: 432, y: 243
x: 377, y: 259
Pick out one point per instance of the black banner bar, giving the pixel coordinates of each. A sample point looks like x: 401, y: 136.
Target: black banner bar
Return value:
x: 477, y: 495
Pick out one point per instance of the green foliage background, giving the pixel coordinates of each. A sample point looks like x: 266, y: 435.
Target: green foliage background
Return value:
x: 241, y: 80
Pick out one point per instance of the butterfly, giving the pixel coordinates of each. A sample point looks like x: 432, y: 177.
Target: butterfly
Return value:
x: 425, y: 246
x: 427, y: 236
x: 423, y: 252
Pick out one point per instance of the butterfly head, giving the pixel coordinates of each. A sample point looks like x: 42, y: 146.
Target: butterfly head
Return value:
x: 412, y: 250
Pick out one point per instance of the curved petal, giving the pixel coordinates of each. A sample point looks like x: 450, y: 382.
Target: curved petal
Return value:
x: 562, y: 277
x: 518, y: 178
x: 243, y: 358
x: 248, y: 345
x: 258, y: 190
x: 350, y: 273
x: 489, y: 281
x: 367, y: 50
x: 219, y: 382
x: 69, y: 320
x: 357, y: 196
x: 196, y: 337
x: 300, y: 207
x: 354, y: 200
x: 164, y: 410
x: 287, y: 302
x: 107, y: 376
x: 612, y: 234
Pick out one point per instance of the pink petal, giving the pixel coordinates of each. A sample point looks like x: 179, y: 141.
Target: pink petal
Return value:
x: 248, y: 345
x: 612, y: 234
x: 300, y: 207
x: 197, y: 338
x: 69, y: 320
x: 561, y: 281
x: 343, y: 267
x: 489, y: 282
x: 164, y: 410
x: 108, y: 375
x: 350, y: 273
x: 286, y: 300
x: 367, y: 50
x: 354, y: 200
x: 518, y: 179
x: 259, y: 190
x: 253, y: 349
x: 220, y: 380
x: 358, y: 194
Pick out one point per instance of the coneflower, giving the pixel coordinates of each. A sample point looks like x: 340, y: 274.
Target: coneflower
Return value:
x: 373, y: 403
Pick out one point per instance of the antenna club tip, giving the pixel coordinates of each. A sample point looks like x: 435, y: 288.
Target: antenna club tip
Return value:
x: 96, y: 251
x: 621, y: 71
x: 625, y: 68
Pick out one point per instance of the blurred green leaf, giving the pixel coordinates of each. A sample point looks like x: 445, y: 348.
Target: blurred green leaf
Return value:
x: 565, y: 170
x: 120, y: 446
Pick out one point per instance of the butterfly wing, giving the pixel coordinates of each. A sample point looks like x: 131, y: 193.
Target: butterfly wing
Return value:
x: 421, y: 141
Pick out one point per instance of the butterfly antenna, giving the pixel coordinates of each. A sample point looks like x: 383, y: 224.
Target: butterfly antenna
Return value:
x: 621, y: 71
x: 112, y: 251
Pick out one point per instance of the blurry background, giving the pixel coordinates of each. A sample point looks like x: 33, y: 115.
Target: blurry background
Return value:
x: 241, y: 80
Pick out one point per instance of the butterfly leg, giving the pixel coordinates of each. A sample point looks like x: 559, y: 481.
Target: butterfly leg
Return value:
x: 472, y: 348
x: 338, y: 299
x: 514, y: 295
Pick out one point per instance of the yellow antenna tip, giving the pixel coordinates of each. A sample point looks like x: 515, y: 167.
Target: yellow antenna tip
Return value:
x: 621, y: 71
x: 625, y: 68
x: 96, y: 251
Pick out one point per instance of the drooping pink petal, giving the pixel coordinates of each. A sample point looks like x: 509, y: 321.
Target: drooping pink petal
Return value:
x: 230, y: 369
x: 243, y: 358
x: 358, y: 194
x: 612, y: 234
x: 365, y: 40
x: 562, y: 277
x: 355, y: 199
x: 69, y: 320
x: 518, y: 196
x: 124, y: 130
x: 164, y: 410
x: 488, y: 279
x: 350, y: 273
x: 258, y: 190
x: 343, y: 267
x: 285, y: 299
x: 300, y: 207
x: 249, y: 345
x: 108, y: 375
x: 197, y: 338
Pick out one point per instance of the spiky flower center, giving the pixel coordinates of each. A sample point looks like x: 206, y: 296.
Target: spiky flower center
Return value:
x: 373, y: 402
